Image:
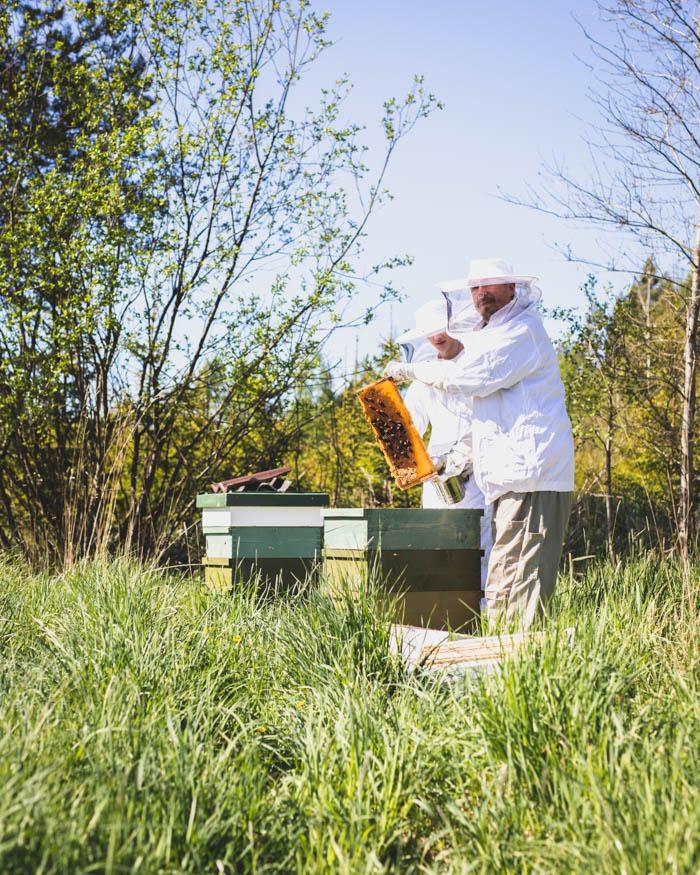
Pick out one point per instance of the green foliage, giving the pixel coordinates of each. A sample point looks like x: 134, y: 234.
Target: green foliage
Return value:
x: 148, y: 725
x: 336, y: 450
x: 175, y: 227
x: 622, y: 367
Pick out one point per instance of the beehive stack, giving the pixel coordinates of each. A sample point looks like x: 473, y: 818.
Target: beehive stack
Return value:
x: 273, y: 536
x: 396, y: 434
x: 427, y: 561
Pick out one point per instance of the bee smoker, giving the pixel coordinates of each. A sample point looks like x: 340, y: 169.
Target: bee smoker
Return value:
x: 452, y: 490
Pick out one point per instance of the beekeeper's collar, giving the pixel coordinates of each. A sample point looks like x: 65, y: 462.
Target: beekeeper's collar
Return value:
x: 526, y: 295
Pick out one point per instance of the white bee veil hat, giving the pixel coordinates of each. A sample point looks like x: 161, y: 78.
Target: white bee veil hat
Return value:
x: 428, y: 320
x: 462, y: 314
x: 486, y: 272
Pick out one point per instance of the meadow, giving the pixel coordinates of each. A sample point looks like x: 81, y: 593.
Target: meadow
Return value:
x: 150, y: 726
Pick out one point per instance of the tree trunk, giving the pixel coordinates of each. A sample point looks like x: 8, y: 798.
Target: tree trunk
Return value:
x: 647, y: 333
x: 687, y: 497
x: 609, y: 516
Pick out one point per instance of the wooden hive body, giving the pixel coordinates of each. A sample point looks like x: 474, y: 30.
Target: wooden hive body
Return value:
x: 276, y: 536
x: 396, y: 434
x: 429, y: 560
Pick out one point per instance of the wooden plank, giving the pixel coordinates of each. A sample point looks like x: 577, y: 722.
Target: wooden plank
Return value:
x: 420, y: 648
x: 404, y: 529
x: 424, y: 529
x: 263, y: 499
x: 411, y: 569
x: 218, y: 579
x: 286, y: 573
x: 262, y: 542
x: 435, y: 609
x: 337, y: 553
x: 348, y: 534
x: 408, y: 641
x: 244, y: 517
x: 439, y: 609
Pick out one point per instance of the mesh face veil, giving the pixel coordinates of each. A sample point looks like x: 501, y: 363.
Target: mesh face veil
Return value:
x: 463, y: 316
x: 429, y: 319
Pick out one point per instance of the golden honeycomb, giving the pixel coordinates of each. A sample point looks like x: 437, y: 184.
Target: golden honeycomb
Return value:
x: 396, y: 434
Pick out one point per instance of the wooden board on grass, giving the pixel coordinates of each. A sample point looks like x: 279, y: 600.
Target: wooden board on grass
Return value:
x: 438, y: 650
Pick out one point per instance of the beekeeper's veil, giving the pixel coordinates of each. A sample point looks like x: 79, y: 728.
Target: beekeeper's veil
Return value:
x: 462, y: 314
x: 428, y: 320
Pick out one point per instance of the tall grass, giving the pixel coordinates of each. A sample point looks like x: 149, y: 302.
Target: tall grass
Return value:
x: 150, y: 726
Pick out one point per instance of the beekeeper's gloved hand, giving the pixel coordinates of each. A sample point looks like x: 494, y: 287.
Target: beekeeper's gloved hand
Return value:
x: 456, y: 462
x: 400, y: 372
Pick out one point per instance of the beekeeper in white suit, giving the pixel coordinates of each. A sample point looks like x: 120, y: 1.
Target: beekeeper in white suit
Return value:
x: 522, y: 441
x: 449, y: 416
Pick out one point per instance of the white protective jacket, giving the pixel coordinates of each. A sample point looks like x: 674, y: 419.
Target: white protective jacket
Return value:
x: 521, y: 433
x: 450, y: 418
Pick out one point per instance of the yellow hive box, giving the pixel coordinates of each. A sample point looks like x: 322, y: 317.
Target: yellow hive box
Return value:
x: 396, y: 434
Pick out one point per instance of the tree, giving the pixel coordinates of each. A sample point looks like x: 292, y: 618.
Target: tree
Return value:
x: 647, y: 175
x: 622, y: 367
x: 652, y: 316
x: 594, y: 378
x: 74, y: 129
x: 214, y: 239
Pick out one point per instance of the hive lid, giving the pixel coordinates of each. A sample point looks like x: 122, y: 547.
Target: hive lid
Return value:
x: 263, y: 499
x: 265, y: 481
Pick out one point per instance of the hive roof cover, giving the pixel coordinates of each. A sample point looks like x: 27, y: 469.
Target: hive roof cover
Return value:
x: 263, y: 499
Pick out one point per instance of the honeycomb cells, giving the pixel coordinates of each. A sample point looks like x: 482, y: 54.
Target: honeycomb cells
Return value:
x: 396, y: 434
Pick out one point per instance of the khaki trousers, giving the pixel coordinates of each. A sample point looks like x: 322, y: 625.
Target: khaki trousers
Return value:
x: 528, y: 533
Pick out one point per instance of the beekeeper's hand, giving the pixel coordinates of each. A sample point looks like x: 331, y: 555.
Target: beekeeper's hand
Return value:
x: 400, y: 372
x: 456, y: 462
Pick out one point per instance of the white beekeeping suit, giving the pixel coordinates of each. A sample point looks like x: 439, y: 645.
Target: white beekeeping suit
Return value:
x: 523, y: 451
x: 448, y: 415
x: 522, y: 434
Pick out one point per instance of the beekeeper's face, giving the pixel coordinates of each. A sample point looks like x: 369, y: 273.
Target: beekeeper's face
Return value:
x: 447, y: 347
x: 490, y: 299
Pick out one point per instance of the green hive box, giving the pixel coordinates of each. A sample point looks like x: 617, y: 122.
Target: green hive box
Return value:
x: 429, y: 560
x: 274, y: 535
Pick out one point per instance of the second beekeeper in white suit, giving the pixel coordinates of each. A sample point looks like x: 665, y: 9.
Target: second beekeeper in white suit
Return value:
x: 523, y: 446
x: 449, y: 416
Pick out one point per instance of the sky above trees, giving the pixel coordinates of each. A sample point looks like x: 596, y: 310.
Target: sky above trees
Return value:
x: 514, y: 80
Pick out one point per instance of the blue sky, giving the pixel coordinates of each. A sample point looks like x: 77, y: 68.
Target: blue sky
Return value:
x: 515, y: 98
